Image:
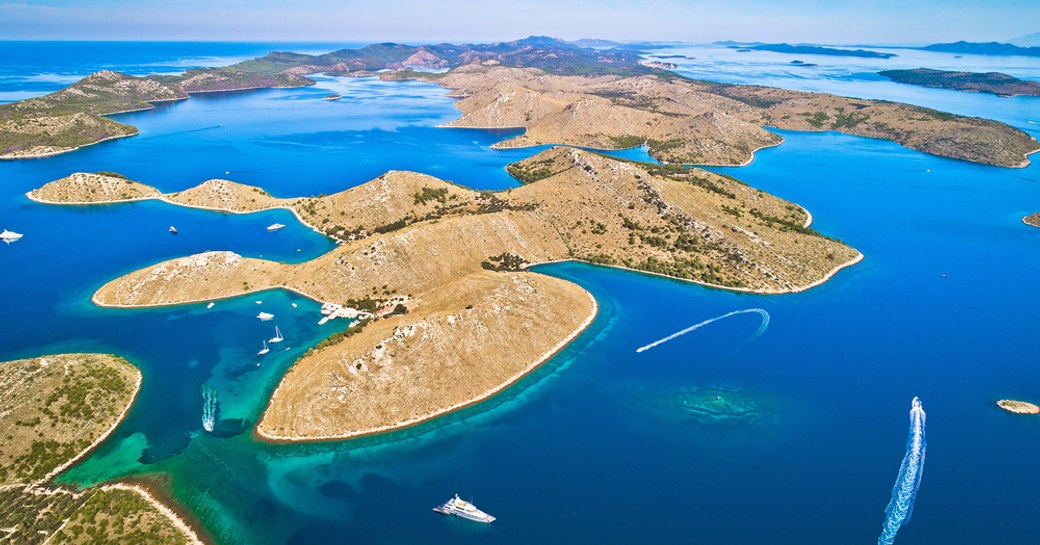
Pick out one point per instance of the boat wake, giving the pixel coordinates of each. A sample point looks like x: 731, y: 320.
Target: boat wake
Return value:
x: 904, y: 493
x: 209, y: 407
x: 761, y: 329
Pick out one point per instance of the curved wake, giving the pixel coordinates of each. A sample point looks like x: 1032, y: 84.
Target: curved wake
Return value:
x: 904, y: 493
x: 209, y: 407
x: 761, y: 329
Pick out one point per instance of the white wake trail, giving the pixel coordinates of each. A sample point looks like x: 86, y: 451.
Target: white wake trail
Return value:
x: 761, y: 329
x: 904, y: 493
x: 209, y: 407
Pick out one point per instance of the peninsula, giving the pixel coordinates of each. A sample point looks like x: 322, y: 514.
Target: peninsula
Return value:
x: 977, y: 82
x: 559, y: 92
x: 1032, y: 219
x: 55, y: 410
x: 458, y: 258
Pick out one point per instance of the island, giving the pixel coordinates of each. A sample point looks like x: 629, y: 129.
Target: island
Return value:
x: 457, y: 314
x: 1018, y: 407
x: 987, y: 48
x: 55, y: 410
x: 817, y: 50
x: 1032, y: 219
x: 559, y: 92
x: 977, y: 82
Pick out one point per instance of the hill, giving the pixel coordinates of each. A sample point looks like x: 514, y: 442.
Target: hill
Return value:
x: 977, y: 82
x: 988, y: 48
x: 817, y: 50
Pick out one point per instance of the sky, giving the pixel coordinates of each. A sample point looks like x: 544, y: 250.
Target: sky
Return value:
x: 810, y: 21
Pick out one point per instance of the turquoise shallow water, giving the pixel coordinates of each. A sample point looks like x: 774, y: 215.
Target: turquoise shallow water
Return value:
x: 791, y: 437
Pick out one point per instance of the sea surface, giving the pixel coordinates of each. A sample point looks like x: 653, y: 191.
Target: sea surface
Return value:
x: 718, y: 436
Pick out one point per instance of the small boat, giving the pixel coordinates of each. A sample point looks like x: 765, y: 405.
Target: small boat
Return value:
x: 333, y: 97
x: 463, y: 509
x: 263, y: 351
x: 277, y: 335
x: 294, y: 305
x: 210, y: 305
x: 173, y: 230
x: 265, y: 316
x: 10, y: 236
x: 275, y: 227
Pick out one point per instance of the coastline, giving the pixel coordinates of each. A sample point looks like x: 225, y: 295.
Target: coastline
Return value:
x: 181, y: 519
x: 59, y: 152
x: 8, y: 157
x: 798, y: 289
x: 101, y: 438
x: 546, y: 356
x: 165, y: 199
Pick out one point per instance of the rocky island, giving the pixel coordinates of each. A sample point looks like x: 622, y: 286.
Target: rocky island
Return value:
x: 559, y: 92
x: 459, y: 256
x: 1032, y: 219
x: 976, y: 82
x: 1018, y: 407
x: 55, y: 410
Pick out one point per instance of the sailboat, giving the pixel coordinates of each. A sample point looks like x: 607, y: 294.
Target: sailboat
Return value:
x: 277, y: 336
x: 264, y: 351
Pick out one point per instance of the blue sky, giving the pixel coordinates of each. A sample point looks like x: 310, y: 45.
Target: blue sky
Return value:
x: 837, y: 22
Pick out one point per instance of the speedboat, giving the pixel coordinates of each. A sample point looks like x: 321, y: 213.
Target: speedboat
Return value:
x: 10, y: 236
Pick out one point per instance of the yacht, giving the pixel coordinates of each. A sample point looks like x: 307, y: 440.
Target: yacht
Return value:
x: 173, y: 230
x: 463, y: 509
x: 275, y: 227
x: 265, y: 316
x: 9, y: 236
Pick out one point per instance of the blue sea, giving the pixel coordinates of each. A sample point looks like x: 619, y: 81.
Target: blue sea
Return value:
x: 718, y: 436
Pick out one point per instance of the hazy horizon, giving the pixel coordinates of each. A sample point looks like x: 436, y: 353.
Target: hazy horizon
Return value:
x: 881, y: 22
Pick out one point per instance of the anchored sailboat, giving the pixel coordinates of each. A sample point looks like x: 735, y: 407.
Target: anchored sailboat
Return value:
x: 264, y: 351
x: 277, y: 336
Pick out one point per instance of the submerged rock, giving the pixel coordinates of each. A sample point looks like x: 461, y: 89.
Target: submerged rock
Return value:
x: 715, y: 406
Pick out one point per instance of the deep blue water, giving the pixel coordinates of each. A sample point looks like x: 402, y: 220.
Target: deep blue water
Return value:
x: 793, y: 437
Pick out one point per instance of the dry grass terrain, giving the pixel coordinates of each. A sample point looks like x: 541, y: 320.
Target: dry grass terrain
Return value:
x: 465, y: 340
x: 686, y: 223
x: 53, y: 409
x: 692, y: 122
x: 85, y: 187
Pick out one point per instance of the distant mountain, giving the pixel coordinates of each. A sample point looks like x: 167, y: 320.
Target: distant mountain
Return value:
x: 988, y: 48
x: 595, y: 43
x: 817, y: 50
x: 549, y: 54
x: 1029, y: 40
